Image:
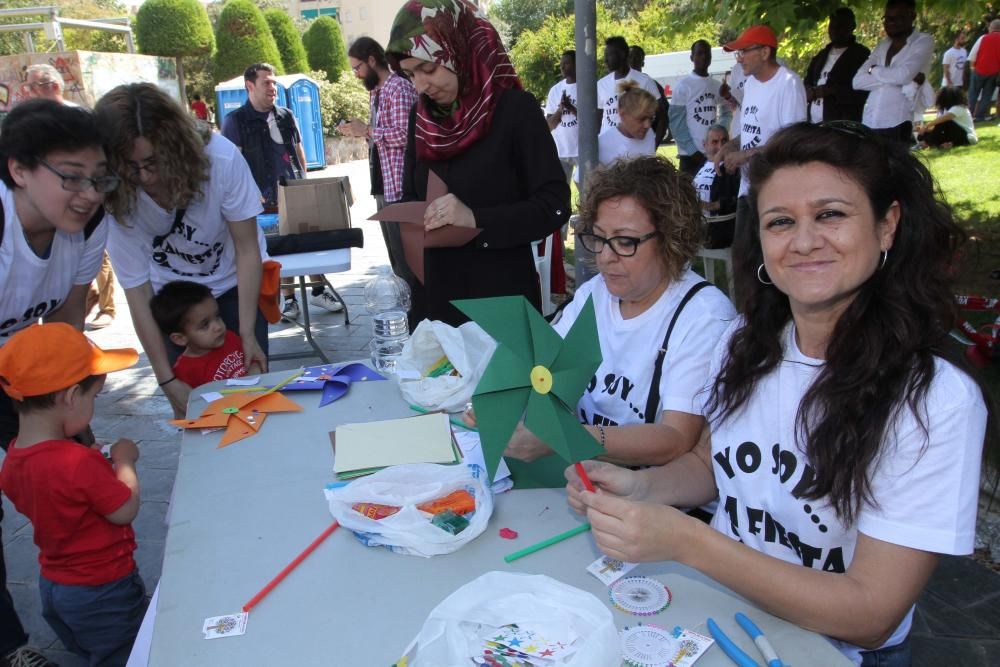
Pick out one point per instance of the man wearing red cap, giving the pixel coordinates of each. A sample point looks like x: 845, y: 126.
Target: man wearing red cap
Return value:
x: 894, y: 71
x: 773, y: 97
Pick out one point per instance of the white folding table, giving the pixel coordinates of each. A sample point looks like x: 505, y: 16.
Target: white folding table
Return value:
x: 302, y: 265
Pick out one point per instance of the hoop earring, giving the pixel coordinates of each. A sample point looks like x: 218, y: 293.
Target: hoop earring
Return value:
x: 760, y: 278
x: 885, y: 256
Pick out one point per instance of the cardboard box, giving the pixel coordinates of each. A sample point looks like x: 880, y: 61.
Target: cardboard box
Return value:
x: 314, y: 205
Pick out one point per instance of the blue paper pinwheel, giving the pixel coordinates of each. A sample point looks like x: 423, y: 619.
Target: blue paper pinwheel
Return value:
x: 333, y: 380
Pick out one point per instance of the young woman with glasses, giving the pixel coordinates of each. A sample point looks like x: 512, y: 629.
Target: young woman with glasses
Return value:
x: 642, y: 220
x: 53, y: 180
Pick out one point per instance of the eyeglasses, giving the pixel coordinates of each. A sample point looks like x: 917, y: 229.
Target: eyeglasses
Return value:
x: 102, y: 184
x: 43, y: 84
x: 149, y: 166
x: 358, y: 66
x: 623, y: 246
x: 743, y: 52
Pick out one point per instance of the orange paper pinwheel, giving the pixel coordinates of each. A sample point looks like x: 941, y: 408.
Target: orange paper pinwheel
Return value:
x: 241, y: 415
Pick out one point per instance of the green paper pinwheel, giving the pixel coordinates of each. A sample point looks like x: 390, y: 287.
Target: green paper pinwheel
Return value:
x: 534, y: 374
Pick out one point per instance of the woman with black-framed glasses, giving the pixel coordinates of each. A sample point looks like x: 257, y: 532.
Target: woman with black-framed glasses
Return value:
x: 53, y: 229
x: 642, y: 220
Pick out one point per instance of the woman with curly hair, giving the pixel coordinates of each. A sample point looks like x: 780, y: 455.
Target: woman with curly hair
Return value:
x: 487, y: 139
x: 186, y: 210
x: 642, y: 220
x: 843, y: 447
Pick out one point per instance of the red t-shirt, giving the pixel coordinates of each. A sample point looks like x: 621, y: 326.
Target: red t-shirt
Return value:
x: 66, y: 490
x: 200, y: 110
x: 219, y: 364
x: 988, y: 58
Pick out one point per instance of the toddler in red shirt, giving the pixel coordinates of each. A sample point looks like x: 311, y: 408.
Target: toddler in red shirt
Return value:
x: 81, y: 506
x: 188, y: 315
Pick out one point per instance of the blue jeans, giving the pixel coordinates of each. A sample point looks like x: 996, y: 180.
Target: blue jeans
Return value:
x: 981, y: 94
x: 98, y: 623
x: 891, y: 656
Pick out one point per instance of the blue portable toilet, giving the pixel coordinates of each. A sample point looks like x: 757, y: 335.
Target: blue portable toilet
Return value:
x: 295, y: 91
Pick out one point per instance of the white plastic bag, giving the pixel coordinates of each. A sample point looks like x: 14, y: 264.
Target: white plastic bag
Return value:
x: 409, y: 531
x: 467, y: 347
x: 451, y: 634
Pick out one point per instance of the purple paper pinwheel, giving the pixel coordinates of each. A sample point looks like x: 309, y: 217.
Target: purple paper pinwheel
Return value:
x: 333, y: 380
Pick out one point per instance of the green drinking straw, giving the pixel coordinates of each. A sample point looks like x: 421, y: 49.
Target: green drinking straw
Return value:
x: 454, y: 420
x: 582, y: 528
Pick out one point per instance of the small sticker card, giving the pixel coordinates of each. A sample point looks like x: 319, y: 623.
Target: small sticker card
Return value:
x: 210, y: 396
x: 229, y: 625
x: 243, y: 381
x: 610, y: 570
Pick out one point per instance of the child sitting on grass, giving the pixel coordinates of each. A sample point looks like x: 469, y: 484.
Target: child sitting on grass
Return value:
x: 953, y: 125
x: 188, y: 315
x: 81, y: 507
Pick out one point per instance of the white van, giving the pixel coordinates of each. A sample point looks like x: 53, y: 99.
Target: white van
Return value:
x: 669, y: 68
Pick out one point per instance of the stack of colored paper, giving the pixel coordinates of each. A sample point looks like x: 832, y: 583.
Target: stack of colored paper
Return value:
x: 361, y: 449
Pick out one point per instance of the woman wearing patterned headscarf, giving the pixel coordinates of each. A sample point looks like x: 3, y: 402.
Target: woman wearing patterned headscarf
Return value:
x: 487, y: 139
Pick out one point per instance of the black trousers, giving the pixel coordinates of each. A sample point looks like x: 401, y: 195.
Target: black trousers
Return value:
x: 947, y: 132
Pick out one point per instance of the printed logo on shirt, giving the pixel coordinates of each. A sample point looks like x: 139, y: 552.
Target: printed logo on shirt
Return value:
x: 703, y: 109
x: 164, y: 249
x: 611, y: 111
x: 231, y: 366
x: 747, y: 459
x: 569, y: 119
x: 613, y: 385
x: 15, y: 324
x: 751, y: 129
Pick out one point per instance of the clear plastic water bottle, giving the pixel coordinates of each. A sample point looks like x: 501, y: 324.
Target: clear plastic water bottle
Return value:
x: 387, y: 297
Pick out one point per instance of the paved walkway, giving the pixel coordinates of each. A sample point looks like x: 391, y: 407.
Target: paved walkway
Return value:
x: 957, y: 620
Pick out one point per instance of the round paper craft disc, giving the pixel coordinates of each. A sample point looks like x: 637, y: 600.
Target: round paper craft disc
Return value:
x: 640, y: 596
x: 646, y: 646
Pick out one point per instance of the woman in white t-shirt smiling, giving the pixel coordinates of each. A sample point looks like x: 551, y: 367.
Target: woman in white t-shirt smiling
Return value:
x: 642, y: 220
x: 186, y: 210
x: 844, y: 449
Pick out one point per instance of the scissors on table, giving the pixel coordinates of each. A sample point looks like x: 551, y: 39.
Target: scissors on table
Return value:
x: 735, y: 653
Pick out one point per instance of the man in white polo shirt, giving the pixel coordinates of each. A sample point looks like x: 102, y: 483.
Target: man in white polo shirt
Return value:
x: 899, y: 64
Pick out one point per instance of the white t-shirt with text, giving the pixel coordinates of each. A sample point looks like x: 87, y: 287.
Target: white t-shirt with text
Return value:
x: 566, y: 135
x: 769, y: 106
x: 618, y: 392
x: 926, y: 488
x: 613, y: 145
x: 953, y: 61
x: 703, y: 181
x: 148, y: 247
x: 33, y: 286
x: 699, y: 95
x: 607, y: 94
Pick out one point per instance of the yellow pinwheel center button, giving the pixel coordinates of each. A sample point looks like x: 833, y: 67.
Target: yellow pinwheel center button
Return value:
x: 541, y: 379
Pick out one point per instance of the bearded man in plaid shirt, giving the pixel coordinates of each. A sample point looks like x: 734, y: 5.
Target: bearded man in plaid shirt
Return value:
x: 391, y: 97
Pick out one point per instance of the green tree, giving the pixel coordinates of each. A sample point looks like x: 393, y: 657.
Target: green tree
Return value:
x: 340, y: 100
x: 293, y: 54
x: 514, y: 17
x: 243, y: 38
x: 74, y: 38
x: 325, y: 47
x: 174, y: 28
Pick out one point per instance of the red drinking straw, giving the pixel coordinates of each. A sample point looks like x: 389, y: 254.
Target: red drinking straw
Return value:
x: 288, y: 568
x: 587, y: 484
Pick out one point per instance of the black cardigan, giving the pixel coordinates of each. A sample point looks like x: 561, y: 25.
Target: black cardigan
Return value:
x: 846, y: 103
x: 514, y: 183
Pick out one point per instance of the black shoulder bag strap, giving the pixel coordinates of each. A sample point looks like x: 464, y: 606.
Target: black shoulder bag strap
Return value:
x: 654, y: 388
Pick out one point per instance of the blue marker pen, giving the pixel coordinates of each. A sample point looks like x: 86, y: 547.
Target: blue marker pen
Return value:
x: 763, y: 645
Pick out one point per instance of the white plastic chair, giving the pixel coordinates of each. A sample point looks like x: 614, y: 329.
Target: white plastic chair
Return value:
x: 543, y: 265
x: 725, y: 255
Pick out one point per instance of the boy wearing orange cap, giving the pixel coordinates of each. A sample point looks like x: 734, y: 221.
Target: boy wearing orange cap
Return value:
x: 81, y: 506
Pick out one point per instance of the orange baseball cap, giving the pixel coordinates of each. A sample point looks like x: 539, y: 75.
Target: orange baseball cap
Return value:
x: 755, y: 35
x: 49, y: 357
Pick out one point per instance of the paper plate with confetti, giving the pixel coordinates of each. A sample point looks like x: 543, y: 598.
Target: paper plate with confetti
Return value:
x: 640, y: 596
